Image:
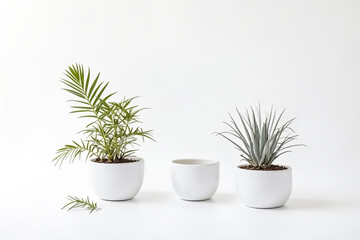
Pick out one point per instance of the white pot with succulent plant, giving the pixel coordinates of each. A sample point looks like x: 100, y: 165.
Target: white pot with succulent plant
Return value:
x: 260, y: 184
x: 114, y: 173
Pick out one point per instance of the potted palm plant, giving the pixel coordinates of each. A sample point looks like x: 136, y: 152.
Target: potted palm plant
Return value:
x: 115, y: 174
x: 260, y: 183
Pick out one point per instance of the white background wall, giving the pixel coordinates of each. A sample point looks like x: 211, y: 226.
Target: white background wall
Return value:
x: 191, y: 62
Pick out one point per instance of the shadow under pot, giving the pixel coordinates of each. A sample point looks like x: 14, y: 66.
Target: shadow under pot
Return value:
x: 117, y: 181
x: 195, y: 179
x: 264, y: 189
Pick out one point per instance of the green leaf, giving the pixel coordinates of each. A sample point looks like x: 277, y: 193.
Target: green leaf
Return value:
x: 93, y: 85
x: 100, y: 93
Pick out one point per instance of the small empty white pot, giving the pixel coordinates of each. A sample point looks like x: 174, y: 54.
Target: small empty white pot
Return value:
x: 195, y: 179
x: 264, y: 189
x: 117, y: 181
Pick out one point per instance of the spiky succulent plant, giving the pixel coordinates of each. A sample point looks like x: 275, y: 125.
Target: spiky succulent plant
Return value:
x: 260, y: 142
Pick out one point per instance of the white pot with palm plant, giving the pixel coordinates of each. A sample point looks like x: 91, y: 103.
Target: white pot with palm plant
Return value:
x: 112, y: 128
x: 261, y: 140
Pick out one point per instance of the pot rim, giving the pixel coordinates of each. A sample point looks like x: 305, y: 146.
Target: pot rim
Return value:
x: 288, y: 168
x: 191, y: 162
x: 134, y: 158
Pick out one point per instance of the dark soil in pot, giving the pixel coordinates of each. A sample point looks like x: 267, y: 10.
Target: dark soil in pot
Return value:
x: 271, y: 168
x: 117, y: 160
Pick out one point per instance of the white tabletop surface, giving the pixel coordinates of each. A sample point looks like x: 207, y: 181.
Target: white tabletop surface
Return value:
x: 30, y: 209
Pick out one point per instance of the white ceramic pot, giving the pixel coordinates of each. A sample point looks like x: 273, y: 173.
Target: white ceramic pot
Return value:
x: 264, y: 189
x: 195, y: 179
x: 117, y: 181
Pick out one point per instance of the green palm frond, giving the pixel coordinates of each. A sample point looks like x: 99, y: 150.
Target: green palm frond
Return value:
x: 260, y: 141
x: 76, y: 202
x: 88, y: 92
x: 72, y: 151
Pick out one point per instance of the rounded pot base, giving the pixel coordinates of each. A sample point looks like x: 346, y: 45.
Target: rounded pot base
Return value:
x: 117, y: 200
x: 196, y: 200
x: 270, y: 207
